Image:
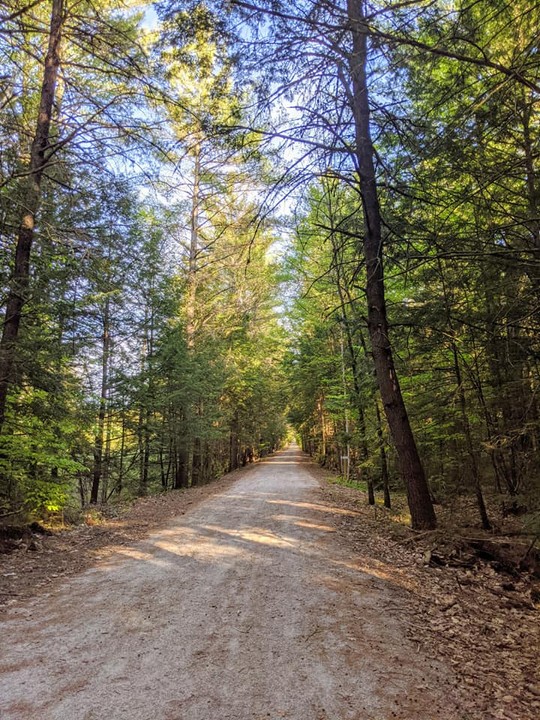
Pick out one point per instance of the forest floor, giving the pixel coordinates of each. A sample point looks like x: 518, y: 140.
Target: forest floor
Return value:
x: 271, y: 593
x: 482, y: 615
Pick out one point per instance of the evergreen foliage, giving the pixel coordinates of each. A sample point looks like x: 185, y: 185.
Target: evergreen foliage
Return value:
x: 154, y: 336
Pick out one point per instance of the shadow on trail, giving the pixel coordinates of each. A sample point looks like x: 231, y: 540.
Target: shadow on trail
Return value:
x: 284, y: 527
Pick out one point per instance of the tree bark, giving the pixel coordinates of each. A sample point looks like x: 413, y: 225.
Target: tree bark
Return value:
x: 99, y: 439
x: 18, y: 287
x: 364, y: 448
x: 191, y: 302
x: 477, y: 483
x: 465, y: 423
x: 193, y: 248
x: 145, y: 413
x: 412, y: 471
x: 196, y: 463
x: 106, y: 464
x: 384, y: 461
x: 233, y: 443
x: 181, y: 474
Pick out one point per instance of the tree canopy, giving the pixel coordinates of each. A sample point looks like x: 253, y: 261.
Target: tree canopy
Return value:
x: 225, y: 224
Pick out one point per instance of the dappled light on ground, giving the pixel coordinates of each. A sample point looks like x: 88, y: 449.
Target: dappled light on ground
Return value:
x: 234, y: 541
x: 249, y: 603
x: 314, y: 526
x: 134, y: 554
x: 314, y: 506
x: 380, y: 570
x: 255, y: 535
x: 271, y: 461
x: 194, y: 544
x: 288, y: 459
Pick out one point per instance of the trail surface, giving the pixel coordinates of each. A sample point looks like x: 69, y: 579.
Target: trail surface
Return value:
x: 246, y: 608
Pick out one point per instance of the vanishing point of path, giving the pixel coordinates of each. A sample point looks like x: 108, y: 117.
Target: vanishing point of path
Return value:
x: 245, y: 608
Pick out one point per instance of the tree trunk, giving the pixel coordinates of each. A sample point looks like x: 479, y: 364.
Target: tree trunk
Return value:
x: 384, y: 460
x: 526, y: 108
x: 140, y: 451
x: 466, y: 425
x: 98, y: 443
x: 181, y: 475
x: 469, y: 443
x: 420, y: 504
x: 233, y: 444
x: 106, y: 464
x: 145, y: 413
x: 191, y: 301
x: 18, y: 286
x: 385, y: 477
x: 193, y: 248
x: 320, y: 409
x: 120, y: 480
x: 196, y: 463
x: 364, y: 448
x: 361, y: 416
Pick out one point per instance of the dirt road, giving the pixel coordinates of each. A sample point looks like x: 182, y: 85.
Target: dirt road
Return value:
x: 246, y: 608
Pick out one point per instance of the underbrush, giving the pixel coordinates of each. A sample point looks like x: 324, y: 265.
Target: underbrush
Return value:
x: 355, y: 484
x: 511, y: 547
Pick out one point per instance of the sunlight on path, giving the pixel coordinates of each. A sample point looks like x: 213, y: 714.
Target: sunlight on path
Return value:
x: 245, y: 608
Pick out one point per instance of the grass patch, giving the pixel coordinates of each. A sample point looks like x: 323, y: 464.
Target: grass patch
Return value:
x: 355, y: 484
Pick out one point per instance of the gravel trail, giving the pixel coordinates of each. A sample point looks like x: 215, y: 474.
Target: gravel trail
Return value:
x: 245, y: 608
